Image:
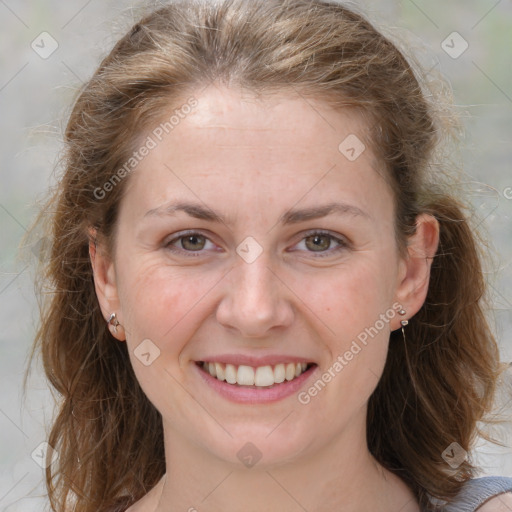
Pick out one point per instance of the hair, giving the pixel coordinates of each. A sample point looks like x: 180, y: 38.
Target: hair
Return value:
x: 435, y: 387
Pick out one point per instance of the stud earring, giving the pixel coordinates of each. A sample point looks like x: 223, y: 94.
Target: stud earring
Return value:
x: 113, y: 322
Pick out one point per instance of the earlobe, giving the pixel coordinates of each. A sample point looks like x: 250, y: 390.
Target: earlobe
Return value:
x: 415, y: 276
x: 105, y: 284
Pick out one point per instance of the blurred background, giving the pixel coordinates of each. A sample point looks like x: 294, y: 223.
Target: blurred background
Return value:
x: 49, y: 48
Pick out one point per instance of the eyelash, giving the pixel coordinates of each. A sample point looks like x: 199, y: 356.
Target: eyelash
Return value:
x: 343, y: 244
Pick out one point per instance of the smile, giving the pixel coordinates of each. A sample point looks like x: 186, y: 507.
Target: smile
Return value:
x: 261, y: 376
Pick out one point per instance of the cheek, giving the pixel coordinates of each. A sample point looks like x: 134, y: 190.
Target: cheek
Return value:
x: 350, y: 298
x: 355, y: 306
x: 162, y: 308
x: 160, y: 303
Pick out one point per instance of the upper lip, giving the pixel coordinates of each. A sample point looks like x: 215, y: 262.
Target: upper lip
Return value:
x: 246, y: 360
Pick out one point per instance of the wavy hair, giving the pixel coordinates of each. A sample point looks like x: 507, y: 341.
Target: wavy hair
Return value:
x: 435, y: 388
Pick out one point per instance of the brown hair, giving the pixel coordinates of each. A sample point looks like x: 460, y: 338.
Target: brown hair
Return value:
x: 435, y: 388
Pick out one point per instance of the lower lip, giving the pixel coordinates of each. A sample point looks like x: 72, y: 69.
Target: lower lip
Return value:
x: 253, y: 395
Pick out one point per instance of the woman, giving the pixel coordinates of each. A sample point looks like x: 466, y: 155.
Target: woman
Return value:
x: 263, y: 300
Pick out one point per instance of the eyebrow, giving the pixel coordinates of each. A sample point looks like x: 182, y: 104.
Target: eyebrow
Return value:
x: 292, y: 216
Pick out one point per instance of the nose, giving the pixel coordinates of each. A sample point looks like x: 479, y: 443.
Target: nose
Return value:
x: 255, y: 299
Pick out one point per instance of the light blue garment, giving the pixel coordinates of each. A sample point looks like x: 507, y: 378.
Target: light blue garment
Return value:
x: 477, y: 491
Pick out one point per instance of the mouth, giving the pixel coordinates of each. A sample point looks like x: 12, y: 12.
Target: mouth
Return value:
x: 263, y: 377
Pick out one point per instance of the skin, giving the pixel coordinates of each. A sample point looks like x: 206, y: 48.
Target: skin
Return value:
x: 502, y: 503
x: 251, y: 160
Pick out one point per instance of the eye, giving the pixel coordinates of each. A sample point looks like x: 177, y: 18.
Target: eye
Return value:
x: 319, y: 242
x: 190, y: 242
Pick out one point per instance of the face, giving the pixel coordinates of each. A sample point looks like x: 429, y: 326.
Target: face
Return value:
x: 227, y: 252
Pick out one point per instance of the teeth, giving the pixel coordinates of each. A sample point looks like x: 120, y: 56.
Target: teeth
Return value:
x: 262, y: 376
x: 219, y: 371
x: 279, y: 373
x: 290, y: 371
x: 244, y: 376
x: 230, y: 374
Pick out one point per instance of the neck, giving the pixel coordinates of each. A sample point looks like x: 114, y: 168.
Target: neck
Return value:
x: 341, y: 476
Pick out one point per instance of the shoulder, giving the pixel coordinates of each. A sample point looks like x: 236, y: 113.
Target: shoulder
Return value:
x: 485, y: 494
x: 500, y: 503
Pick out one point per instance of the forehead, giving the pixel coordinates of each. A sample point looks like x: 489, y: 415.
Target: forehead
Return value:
x: 277, y: 146
x: 278, y: 119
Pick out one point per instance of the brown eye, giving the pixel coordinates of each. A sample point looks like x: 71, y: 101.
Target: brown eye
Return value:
x: 322, y: 244
x: 318, y: 242
x: 192, y: 242
x: 189, y: 244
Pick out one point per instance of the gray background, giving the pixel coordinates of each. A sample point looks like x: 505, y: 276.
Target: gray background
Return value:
x: 35, y: 96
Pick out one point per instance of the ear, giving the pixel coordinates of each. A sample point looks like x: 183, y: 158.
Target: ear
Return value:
x: 414, y: 273
x: 105, y: 283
